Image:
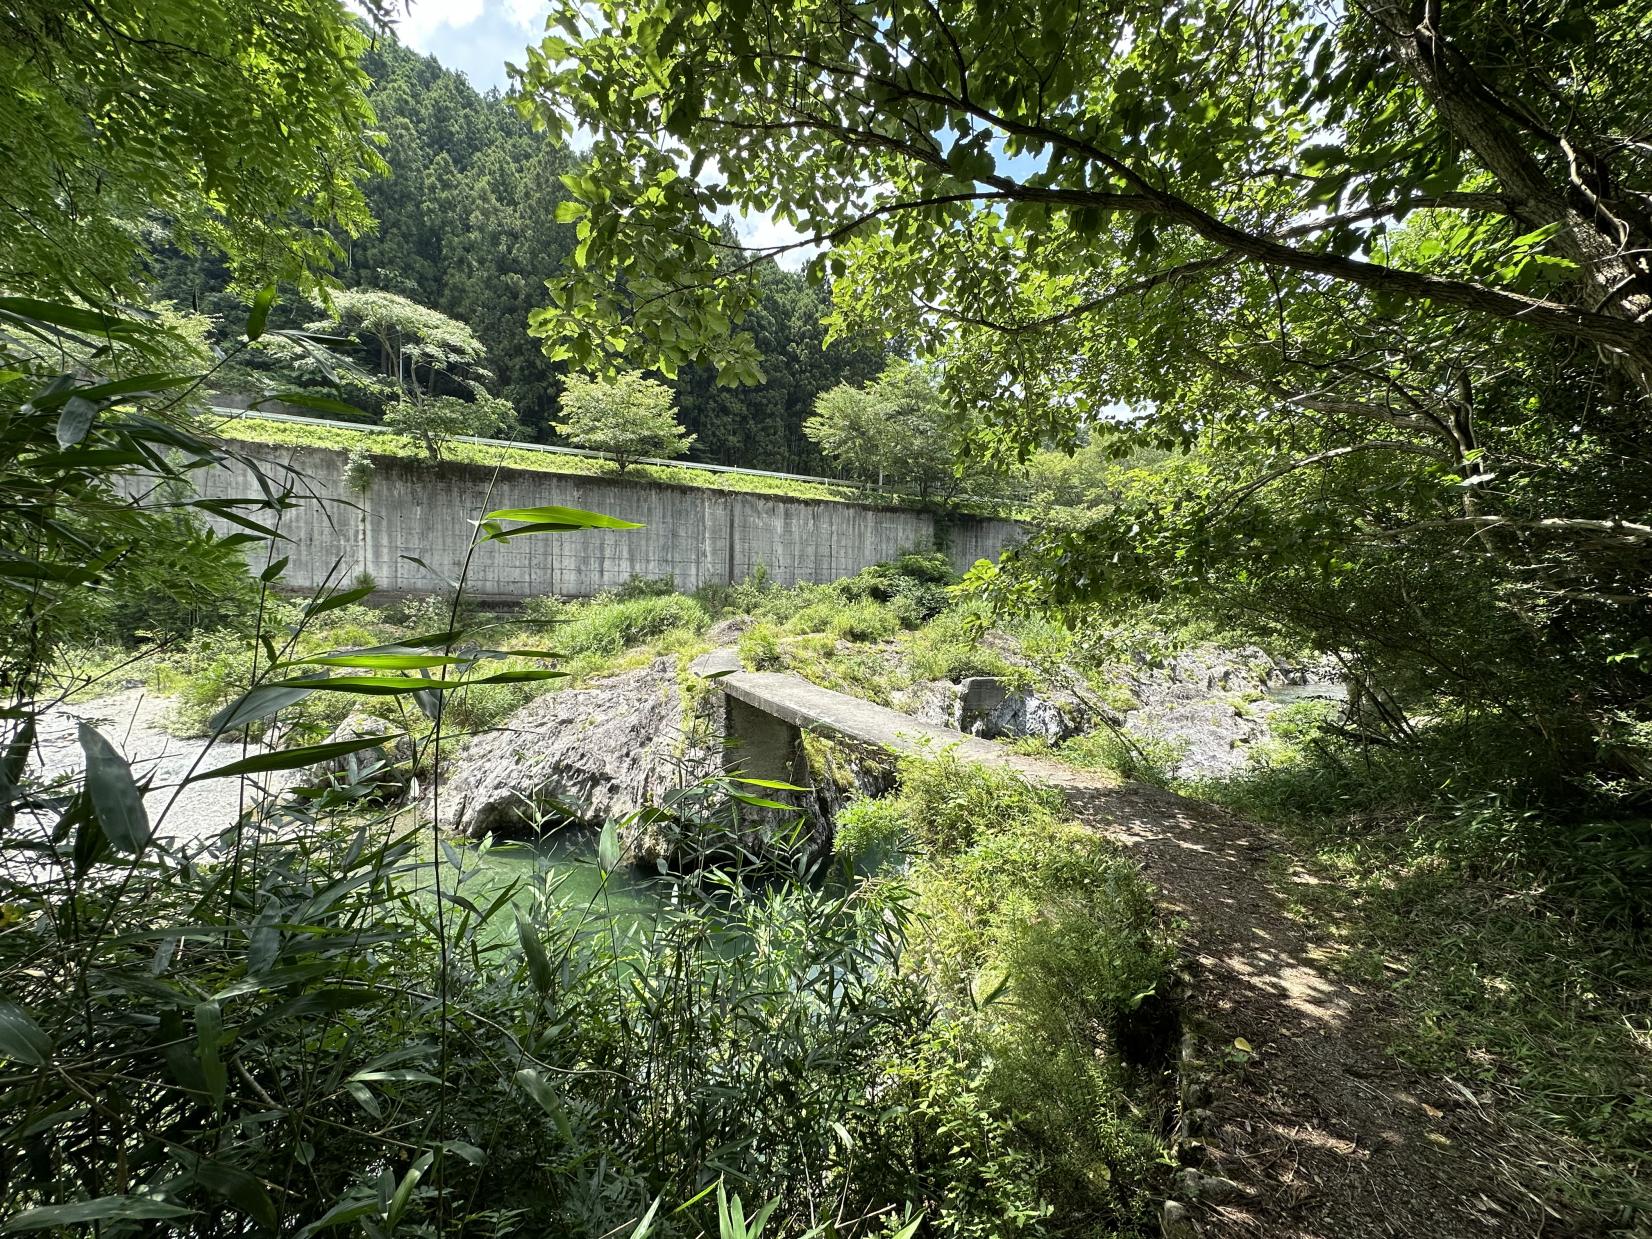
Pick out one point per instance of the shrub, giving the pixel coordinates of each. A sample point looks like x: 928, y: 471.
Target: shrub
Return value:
x: 949, y: 804
x: 871, y: 830
x: 1043, y: 940
x: 544, y: 610
x: 644, y: 587
x: 1143, y: 758
x: 949, y: 648
x: 864, y: 621
x: 942, y: 1136
x: 609, y: 627
x: 915, y: 584
x: 760, y: 647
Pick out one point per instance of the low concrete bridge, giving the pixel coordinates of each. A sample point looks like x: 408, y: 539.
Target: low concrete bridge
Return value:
x: 768, y: 712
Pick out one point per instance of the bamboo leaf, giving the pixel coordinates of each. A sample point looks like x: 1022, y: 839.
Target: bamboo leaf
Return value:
x: 241, y: 1189
x: 348, y: 1210
x: 391, y: 685
x: 316, y: 401
x: 296, y: 759
x: 209, y: 1035
x: 540, y: 971
x: 404, y: 1191
x: 260, y: 314
x: 21, y: 1039
x: 74, y: 317
x: 103, y: 1209
x: 608, y: 847
x: 263, y: 701
x: 116, y: 801
x: 564, y: 518
x: 383, y: 662
x: 75, y: 420
x: 333, y: 602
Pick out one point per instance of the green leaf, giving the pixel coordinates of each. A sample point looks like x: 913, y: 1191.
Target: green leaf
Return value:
x: 759, y: 803
x: 263, y: 701
x: 533, y: 950
x: 350, y: 1209
x: 313, y: 400
x: 380, y: 662
x: 74, y: 317
x: 241, y: 1188
x: 774, y: 783
x: 390, y: 685
x: 608, y: 847
x: 116, y: 801
x: 21, y: 1039
x: 103, y: 1209
x: 296, y: 759
x: 540, y: 1090
x: 561, y: 518
x: 260, y: 314
x: 209, y: 1035
x: 645, y: 1227
x: 75, y: 420
x: 342, y: 598
x: 404, y: 1191
x: 137, y: 385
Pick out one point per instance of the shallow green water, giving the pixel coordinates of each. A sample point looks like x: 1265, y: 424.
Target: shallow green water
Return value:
x: 565, y: 863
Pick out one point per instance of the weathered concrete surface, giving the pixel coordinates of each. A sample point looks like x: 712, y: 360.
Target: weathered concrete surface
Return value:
x: 795, y: 701
x: 697, y: 536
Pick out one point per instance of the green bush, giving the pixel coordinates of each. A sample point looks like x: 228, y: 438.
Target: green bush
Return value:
x: 1144, y: 759
x: 1044, y: 940
x: 949, y: 804
x: 944, y: 1137
x: 642, y: 587
x: 760, y: 648
x: 610, y: 627
x: 949, y: 648
x: 914, y: 584
x: 870, y: 830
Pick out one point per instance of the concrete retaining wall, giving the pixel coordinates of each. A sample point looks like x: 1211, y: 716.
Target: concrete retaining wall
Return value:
x: 697, y: 536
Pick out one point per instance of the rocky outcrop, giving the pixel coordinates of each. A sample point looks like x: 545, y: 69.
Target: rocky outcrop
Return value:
x: 1207, y: 706
x: 993, y: 709
x: 588, y: 754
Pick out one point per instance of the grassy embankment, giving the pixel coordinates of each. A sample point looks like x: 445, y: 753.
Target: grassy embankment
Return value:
x: 385, y: 443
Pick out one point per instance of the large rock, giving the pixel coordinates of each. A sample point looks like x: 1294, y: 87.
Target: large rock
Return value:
x: 991, y: 708
x: 1209, y: 705
x: 590, y: 754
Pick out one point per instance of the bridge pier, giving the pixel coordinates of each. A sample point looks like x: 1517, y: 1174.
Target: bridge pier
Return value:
x: 761, y: 746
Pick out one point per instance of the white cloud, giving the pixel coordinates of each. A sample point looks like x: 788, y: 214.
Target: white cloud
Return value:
x: 425, y: 19
x: 530, y: 15
x: 760, y: 230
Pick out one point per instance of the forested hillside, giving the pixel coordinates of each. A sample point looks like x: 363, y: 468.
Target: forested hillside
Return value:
x: 467, y: 225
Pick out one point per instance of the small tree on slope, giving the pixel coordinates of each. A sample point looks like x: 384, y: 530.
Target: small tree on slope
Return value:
x: 628, y: 417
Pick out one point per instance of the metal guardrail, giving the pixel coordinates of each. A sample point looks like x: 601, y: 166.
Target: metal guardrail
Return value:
x: 842, y: 483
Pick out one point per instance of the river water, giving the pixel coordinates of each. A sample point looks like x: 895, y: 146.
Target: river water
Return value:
x: 566, y: 863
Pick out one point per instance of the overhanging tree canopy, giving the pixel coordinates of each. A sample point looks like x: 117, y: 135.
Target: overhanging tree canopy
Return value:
x: 1380, y: 270
x: 1015, y: 169
x: 238, y: 126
